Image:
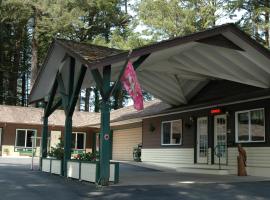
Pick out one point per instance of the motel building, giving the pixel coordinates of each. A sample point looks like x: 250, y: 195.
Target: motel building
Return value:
x: 214, y: 91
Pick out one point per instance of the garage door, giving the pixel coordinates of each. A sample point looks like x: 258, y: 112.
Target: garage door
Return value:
x: 124, y: 141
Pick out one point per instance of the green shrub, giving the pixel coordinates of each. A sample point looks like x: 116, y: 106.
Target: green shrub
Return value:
x: 58, y: 151
x: 88, y: 156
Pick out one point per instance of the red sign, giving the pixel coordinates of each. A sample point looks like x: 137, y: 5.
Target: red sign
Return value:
x: 216, y: 111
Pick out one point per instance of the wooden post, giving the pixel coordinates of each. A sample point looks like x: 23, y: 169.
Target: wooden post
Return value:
x: 44, y: 137
x: 105, y: 130
x: 67, y: 143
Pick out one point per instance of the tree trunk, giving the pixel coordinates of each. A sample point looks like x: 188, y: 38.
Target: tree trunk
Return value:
x: 23, y: 100
x: 87, y: 99
x: 96, y: 102
x: 118, y: 99
x: 13, y: 74
x: 266, y: 29
x: 78, y: 103
x: 34, y: 60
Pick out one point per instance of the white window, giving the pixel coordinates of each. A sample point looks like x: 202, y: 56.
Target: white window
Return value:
x: 250, y: 126
x: 23, y: 138
x: 78, y: 140
x: 171, y: 132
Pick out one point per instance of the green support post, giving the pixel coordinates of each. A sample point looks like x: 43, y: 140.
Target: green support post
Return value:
x: 67, y: 143
x: 105, y: 130
x: 94, y: 143
x: 44, y: 137
x: 44, y: 141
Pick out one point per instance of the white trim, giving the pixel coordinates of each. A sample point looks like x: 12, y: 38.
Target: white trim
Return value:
x: 249, y: 124
x: 84, y: 140
x: 200, y: 159
x: 25, y: 138
x: 171, y: 122
x: 223, y: 160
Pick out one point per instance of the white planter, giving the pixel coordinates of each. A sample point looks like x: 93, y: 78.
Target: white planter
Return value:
x: 73, y: 169
x: 46, y: 165
x: 56, y: 166
x: 89, y: 172
x: 112, y: 172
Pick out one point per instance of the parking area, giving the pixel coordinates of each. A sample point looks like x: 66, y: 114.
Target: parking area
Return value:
x: 17, y: 181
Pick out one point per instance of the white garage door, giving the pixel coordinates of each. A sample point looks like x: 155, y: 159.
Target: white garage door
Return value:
x: 124, y: 141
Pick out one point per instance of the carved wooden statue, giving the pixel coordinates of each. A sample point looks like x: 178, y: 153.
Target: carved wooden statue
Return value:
x: 242, y: 159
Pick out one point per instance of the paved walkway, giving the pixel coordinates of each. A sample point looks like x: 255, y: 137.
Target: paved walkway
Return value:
x: 18, y: 182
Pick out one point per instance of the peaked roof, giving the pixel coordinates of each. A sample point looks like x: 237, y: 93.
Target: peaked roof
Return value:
x: 176, y: 69
x: 31, y: 115
x: 89, y: 52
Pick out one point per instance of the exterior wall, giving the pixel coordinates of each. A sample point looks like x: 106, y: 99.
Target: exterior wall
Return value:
x: 9, y: 136
x: 152, y: 139
x: 170, y: 156
x: 124, y: 141
x: 258, y: 162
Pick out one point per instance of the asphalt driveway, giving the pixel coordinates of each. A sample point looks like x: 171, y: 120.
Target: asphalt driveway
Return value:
x: 18, y: 182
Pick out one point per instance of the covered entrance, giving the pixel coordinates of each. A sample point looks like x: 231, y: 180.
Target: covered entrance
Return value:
x: 173, y: 71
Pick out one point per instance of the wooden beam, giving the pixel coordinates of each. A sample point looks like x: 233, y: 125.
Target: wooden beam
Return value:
x: 74, y: 97
x: 51, y: 98
x: 62, y: 91
x: 71, y: 76
x: 55, y: 106
x: 140, y: 60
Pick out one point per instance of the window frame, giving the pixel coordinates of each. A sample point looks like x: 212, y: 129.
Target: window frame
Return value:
x: 171, y: 122
x: 25, y: 138
x: 84, y: 140
x: 249, y: 126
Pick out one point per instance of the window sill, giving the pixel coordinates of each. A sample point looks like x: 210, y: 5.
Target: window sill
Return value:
x: 171, y: 144
x: 248, y: 142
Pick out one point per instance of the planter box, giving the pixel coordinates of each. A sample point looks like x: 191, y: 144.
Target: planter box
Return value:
x: 89, y: 171
x: 46, y: 165
x: 73, y: 169
x: 51, y: 166
x: 82, y: 170
x: 56, y: 166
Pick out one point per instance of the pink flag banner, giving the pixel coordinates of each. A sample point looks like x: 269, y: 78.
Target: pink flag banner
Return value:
x: 131, y: 84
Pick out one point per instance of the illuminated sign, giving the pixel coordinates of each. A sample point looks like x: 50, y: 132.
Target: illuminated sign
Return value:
x: 215, y: 111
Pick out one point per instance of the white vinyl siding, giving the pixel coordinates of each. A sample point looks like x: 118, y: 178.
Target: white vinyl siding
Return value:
x: 124, y: 141
x: 177, y: 156
x: 256, y: 156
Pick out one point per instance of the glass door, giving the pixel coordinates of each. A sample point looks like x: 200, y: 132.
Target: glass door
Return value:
x: 220, y: 138
x: 202, y: 140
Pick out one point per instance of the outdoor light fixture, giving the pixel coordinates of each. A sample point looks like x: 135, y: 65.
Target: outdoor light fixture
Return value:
x: 189, y: 122
x: 152, y: 128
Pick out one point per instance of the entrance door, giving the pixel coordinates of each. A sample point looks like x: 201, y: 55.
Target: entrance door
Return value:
x: 55, y: 138
x: 202, y: 139
x: 220, y: 138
